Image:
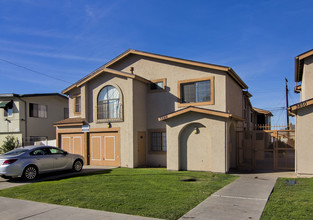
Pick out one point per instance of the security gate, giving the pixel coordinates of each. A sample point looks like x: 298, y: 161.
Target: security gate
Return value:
x: 266, y: 150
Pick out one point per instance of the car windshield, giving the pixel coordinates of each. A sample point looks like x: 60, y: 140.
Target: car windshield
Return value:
x: 16, y: 151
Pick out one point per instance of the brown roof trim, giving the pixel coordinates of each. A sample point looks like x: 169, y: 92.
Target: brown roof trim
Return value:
x: 248, y: 94
x: 229, y: 70
x: 116, y: 72
x: 104, y: 70
x: 299, y: 64
x: 300, y: 105
x: 199, y: 110
x: 262, y: 111
x: 69, y: 122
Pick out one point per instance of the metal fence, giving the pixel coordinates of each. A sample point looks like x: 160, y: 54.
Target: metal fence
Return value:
x: 266, y: 149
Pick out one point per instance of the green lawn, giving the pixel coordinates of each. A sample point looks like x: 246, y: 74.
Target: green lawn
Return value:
x: 154, y: 193
x: 290, y: 201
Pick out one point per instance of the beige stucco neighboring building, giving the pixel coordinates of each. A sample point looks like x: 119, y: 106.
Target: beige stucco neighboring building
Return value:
x: 144, y: 109
x: 30, y: 117
x: 304, y: 113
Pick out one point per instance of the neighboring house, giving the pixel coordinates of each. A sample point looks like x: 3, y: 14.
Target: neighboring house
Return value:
x: 261, y: 118
x: 30, y: 117
x: 304, y: 112
x: 144, y: 109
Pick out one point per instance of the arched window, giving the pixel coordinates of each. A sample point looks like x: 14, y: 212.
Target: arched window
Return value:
x: 109, y: 106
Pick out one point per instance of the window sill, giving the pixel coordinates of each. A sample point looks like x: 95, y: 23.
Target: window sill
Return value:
x: 99, y: 121
x: 194, y: 104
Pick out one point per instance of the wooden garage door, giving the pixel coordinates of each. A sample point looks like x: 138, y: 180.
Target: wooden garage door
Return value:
x: 72, y: 143
x: 104, y: 149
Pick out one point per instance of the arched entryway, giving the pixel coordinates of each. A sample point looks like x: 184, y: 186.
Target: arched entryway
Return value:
x: 194, y: 148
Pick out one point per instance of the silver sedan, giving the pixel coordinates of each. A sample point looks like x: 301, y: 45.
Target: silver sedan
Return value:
x: 30, y: 161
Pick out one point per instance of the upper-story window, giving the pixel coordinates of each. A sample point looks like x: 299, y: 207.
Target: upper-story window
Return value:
x: 109, y: 104
x: 77, y: 104
x: 196, y: 92
x: 38, y: 111
x: 158, y: 85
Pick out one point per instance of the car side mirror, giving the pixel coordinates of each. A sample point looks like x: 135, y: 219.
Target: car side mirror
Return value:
x: 65, y: 153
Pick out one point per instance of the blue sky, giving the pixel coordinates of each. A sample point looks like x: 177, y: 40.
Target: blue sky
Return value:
x: 69, y: 39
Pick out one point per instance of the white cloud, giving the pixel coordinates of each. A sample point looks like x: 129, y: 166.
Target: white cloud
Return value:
x: 52, y: 55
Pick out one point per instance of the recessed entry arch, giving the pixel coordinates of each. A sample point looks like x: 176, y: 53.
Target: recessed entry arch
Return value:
x: 194, y: 147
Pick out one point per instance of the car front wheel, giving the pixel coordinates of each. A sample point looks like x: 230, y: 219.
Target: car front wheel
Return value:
x: 30, y: 172
x: 78, y: 165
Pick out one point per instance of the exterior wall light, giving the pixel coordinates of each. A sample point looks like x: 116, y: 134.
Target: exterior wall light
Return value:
x: 109, y: 125
x: 196, y: 130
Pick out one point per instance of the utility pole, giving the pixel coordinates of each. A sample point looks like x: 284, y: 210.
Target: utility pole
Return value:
x: 287, y: 105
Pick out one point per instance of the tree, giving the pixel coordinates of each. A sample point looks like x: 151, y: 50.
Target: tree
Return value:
x: 9, y: 144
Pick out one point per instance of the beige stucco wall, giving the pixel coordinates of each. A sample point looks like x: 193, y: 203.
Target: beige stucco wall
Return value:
x: 44, y: 126
x: 140, y: 115
x: 234, y: 97
x: 14, y: 123
x: 212, y: 142
x: 307, y: 79
x: 152, y: 69
x: 125, y: 87
x: 71, y: 102
x: 164, y: 102
x: 304, y: 140
x: 19, y: 136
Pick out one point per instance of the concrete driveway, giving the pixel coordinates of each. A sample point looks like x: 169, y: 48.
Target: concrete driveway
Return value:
x: 87, y: 170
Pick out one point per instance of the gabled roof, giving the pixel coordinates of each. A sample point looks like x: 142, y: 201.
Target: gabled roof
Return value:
x: 299, y: 62
x: 229, y: 70
x: 199, y: 110
x: 102, y: 70
x: 106, y: 68
x: 262, y: 111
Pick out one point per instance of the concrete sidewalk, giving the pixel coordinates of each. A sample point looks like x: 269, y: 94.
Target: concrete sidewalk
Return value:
x: 245, y: 198
x: 15, y: 209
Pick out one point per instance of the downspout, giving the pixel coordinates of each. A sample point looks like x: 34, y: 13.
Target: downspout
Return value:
x: 25, y: 120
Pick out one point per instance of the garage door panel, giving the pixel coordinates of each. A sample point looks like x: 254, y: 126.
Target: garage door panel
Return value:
x: 73, y: 143
x: 105, y: 148
x: 77, y: 145
x: 96, y: 148
x: 66, y: 143
x: 110, y: 148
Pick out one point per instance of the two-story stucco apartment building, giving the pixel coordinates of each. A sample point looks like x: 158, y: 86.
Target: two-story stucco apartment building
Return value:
x: 304, y: 112
x: 30, y: 117
x: 144, y: 109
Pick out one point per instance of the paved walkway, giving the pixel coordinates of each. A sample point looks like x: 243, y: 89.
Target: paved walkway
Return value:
x: 245, y: 198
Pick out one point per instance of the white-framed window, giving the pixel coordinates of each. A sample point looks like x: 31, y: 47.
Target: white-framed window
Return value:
x: 109, y: 104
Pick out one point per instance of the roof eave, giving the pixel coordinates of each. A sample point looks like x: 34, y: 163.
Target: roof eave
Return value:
x: 199, y: 110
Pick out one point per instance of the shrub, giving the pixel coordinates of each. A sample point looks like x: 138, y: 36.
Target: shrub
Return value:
x: 9, y: 144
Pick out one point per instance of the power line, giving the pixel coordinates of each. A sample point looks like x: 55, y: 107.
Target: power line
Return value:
x: 34, y: 71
